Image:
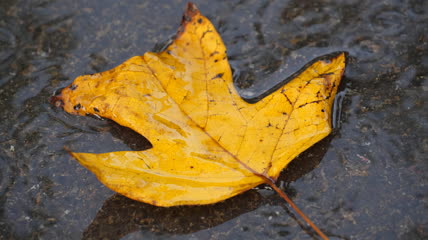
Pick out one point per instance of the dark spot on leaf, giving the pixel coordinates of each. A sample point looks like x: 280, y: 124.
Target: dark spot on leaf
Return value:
x: 317, y: 101
x: 77, y: 107
x: 218, y: 76
x: 214, y: 53
x: 168, y: 52
x: 288, y: 100
x: 191, y: 167
x: 284, y: 113
x: 200, y: 20
x: 322, y: 110
x: 203, y: 35
x: 326, y: 74
x: 96, y: 109
x: 216, y: 60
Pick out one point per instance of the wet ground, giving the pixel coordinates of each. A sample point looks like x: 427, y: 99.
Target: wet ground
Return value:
x: 368, y: 180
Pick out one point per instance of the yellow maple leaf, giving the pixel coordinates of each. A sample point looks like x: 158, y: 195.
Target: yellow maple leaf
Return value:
x: 208, y: 143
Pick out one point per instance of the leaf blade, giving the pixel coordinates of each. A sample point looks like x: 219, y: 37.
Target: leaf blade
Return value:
x: 204, y: 136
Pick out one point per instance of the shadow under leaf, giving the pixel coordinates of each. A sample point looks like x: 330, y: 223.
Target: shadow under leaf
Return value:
x: 120, y: 216
x: 306, y: 161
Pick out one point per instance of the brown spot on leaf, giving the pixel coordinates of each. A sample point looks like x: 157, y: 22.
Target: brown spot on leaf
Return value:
x: 214, y: 53
x: 218, y: 76
x: 326, y: 74
x: 77, y: 107
x: 317, y: 101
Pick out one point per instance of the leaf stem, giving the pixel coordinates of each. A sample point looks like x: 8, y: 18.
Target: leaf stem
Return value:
x: 288, y: 200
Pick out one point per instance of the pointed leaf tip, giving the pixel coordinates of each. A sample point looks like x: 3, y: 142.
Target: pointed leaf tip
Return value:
x: 190, y: 11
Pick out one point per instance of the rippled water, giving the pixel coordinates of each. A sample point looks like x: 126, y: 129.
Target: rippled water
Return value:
x: 368, y: 180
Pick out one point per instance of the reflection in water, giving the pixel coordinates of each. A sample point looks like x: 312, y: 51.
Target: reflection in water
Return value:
x: 372, y: 180
x: 120, y: 216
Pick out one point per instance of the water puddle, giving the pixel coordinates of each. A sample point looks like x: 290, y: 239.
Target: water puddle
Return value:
x: 366, y: 181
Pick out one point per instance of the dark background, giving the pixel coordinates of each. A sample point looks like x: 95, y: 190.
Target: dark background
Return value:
x: 368, y: 180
